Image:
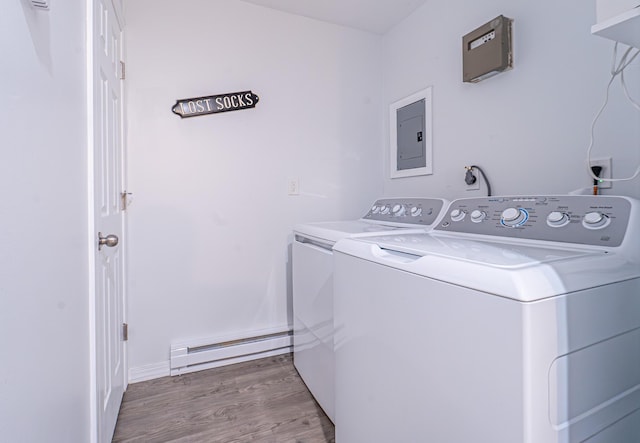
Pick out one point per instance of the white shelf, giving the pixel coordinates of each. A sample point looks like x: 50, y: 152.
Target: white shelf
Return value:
x: 623, y: 28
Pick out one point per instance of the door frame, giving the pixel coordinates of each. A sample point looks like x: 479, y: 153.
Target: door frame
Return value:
x: 91, y: 220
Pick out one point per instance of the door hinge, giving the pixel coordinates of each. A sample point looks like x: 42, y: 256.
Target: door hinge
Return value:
x: 124, y: 196
x: 122, y: 70
x: 125, y: 332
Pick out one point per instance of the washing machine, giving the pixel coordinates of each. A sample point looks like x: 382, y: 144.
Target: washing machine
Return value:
x: 313, y: 282
x: 515, y: 320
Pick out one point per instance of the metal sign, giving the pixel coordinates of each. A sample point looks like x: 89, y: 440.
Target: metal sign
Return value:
x: 213, y: 104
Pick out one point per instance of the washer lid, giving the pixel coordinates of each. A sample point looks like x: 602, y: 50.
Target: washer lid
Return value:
x: 520, y: 272
x: 486, y: 253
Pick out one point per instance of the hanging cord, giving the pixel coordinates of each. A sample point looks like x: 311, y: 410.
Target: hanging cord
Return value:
x: 615, y: 71
x: 484, y: 177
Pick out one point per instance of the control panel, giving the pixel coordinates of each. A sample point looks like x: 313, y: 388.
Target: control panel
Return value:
x: 415, y: 211
x: 588, y: 220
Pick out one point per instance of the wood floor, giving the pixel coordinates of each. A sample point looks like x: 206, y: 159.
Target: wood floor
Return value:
x: 258, y: 401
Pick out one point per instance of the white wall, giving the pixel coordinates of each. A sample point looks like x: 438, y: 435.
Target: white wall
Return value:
x: 527, y: 128
x: 210, y: 223
x: 44, y: 318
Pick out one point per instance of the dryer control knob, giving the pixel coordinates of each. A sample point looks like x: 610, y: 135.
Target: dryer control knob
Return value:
x: 457, y: 214
x: 384, y: 210
x: 557, y: 219
x: 398, y: 210
x: 513, y: 217
x: 416, y: 211
x: 477, y: 216
x: 375, y: 209
x: 595, y: 220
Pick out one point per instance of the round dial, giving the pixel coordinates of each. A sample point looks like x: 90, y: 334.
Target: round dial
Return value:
x: 375, y: 209
x: 513, y: 217
x: 595, y: 220
x: 398, y: 210
x: 416, y: 211
x: 384, y: 210
x: 477, y: 216
x: 457, y: 214
x: 557, y: 219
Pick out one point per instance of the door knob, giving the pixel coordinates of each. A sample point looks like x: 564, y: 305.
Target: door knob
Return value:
x: 110, y: 241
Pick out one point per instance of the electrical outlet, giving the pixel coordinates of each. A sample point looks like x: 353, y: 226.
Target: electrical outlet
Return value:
x: 475, y: 185
x: 293, y: 186
x: 605, y: 164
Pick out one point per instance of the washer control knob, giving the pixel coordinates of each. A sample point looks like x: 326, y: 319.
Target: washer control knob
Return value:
x: 595, y: 220
x: 557, y: 219
x: 513, y: 217
x: 398, y: 210
x: 384, y: 210
x: 477, y: 216
x: 375, y: 209
x: 416, y: 211
x: 457, y: 214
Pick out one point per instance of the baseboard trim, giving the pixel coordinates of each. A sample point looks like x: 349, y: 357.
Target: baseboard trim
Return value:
x: 163, y: 369
x: 150, y: 371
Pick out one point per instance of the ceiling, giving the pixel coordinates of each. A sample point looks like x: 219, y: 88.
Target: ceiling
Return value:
x: 377, y: 16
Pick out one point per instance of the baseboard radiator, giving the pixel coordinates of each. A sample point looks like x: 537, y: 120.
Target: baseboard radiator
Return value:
x: 206, y: 354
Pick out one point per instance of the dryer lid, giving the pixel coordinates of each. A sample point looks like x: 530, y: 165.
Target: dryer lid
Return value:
x: 333, y: 231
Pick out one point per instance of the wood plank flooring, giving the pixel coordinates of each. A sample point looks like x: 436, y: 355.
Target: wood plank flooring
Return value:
x: 258, y: 401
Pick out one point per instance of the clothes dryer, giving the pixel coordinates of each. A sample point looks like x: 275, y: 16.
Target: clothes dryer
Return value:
x: 313, y: 282
x: 515, y: 320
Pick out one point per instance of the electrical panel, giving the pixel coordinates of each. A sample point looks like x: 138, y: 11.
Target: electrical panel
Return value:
x: 487, y: 50
x: 410, y: 120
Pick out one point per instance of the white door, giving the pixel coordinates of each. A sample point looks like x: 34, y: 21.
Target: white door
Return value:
x: 108, y: 158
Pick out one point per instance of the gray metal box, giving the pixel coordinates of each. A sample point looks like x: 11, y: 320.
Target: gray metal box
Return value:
x: 487, y: 50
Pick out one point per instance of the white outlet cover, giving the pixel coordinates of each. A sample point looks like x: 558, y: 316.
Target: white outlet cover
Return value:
x: 476, y: 185
x: 606, y: 170
x: 293, y: 186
